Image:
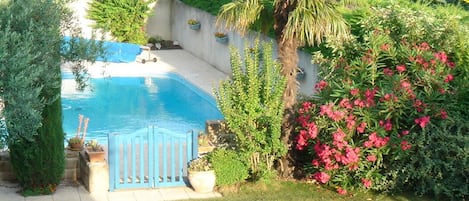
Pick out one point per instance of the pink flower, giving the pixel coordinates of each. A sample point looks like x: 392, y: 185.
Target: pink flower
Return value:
x: 338, y: 135
x: 351, y: 155
x: 449, y: 78
x: 321, y: 85
x: 405, y: 145
x: 423, y: 46
x: 441, y: 56
x: 370, y: 95
x: 450, y: 64
x: 443, y: 114
x: 326, y: 109
x: 345, y: 103
x: 388, y: 72
x: 405, y: 132
x: 375, y: 140
x: 321, y: 177
x: 350, y: 121
x: 359, y: 103
x: 368, y: 144
x: 400, y: 68
x: 405, y: 84
x: 307, y: 105
x: 303, y: 120
x: 301, y: 140
x: 371, y: 158
x: 386, y: 125
x: 354, y: 92
x: 366, y: 182
x: 422, y: 121
x: 385, y: 47
x: 315, y: 163
x: 361, y: 127
x: 341, y: 191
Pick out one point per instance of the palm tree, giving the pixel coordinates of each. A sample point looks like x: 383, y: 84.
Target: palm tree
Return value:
x: 296, y: 23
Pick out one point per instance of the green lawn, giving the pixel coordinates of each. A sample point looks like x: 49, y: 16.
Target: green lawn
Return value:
x: 293, y: 191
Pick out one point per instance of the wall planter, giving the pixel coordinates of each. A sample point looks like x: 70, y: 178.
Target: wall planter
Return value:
x: 221, y: 37
x: 193, y: 24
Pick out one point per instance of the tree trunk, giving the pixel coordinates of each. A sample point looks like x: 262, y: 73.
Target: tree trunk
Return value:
x: 288, y: 56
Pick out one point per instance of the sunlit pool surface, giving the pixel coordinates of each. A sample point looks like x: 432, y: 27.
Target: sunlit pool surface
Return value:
x: 132, y: 104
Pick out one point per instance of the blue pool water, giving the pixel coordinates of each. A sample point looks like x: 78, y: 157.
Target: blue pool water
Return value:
x: 132, y: 104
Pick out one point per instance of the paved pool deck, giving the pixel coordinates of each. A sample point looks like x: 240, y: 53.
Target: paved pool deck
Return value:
x: 179, y: 61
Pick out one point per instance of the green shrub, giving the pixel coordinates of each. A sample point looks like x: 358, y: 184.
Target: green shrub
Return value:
x: 3, y: 134
x: 378, y: 94
x: 125, y: 19
x: 210, y: 6
x: 439, y: 163
x: 251, y: 102
x: 229, y: 167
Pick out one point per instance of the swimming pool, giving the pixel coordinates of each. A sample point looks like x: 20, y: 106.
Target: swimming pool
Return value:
x: 132, y: 104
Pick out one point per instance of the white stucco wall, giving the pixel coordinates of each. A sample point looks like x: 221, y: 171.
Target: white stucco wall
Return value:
x: 169, y: 20
x: 159, y: 23
x: 203, y: 45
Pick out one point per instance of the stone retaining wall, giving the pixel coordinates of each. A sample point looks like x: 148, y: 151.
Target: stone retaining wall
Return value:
x: 71, y: 173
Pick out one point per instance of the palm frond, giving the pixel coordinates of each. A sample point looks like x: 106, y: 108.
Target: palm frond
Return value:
x: 239, y: 15
x: 312, y: 20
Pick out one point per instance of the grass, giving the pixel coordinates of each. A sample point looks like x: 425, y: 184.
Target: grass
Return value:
x: 293, y: 191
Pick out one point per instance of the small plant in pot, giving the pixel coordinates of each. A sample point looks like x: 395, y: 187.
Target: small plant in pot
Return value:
x: 221, y: 37
x: 193, y: 24
x: 201, y: 175
x: 76, y: 143
x: 94, y: 151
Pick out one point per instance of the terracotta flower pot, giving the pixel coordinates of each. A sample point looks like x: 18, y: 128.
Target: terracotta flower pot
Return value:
x: 75, y: 146
x: 95, y: 156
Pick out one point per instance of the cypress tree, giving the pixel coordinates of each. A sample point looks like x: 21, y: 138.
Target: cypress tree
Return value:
x: 31, y: 53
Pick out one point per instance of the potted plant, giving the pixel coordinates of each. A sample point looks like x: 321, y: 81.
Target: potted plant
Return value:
x: 221, y: 37
x: 76, y: 143
x: 94, y: 151
x: 201, y: 175
x: 193, y: 24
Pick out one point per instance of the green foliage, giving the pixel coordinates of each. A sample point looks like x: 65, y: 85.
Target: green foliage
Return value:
x: 229, y: 167
x: 39, y: 164
x: 251, y: 103
x: 3, y: 133
x: 31, y: 53
x: 210, y: 6
x: 125, y: 19
x: 439, y: 163
x: 381, y: 100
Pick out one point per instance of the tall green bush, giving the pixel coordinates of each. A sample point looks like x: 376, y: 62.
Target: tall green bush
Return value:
x: 125, y: 19
x: 31, y: 53
x: 251, y: 102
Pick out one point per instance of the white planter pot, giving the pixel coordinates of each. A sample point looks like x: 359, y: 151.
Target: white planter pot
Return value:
x: 202, y: 182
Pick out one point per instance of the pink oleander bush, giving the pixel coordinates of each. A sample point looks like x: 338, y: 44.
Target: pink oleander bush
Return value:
x: 377, y: 95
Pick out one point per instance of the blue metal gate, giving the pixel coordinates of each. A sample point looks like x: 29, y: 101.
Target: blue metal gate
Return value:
x: 150, y: 159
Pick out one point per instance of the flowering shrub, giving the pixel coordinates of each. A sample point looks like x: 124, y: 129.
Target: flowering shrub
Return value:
x: 374, y: 97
